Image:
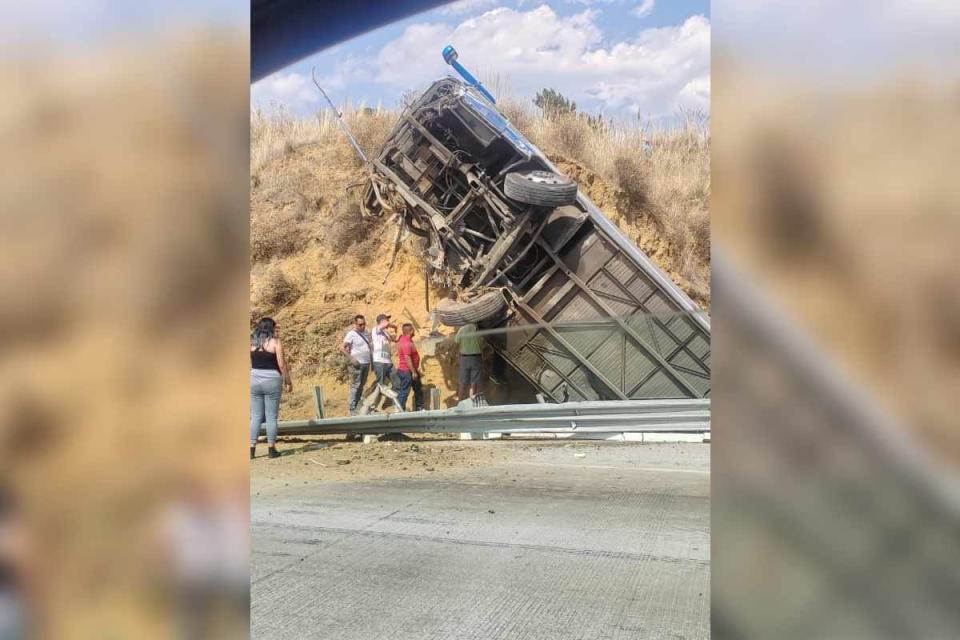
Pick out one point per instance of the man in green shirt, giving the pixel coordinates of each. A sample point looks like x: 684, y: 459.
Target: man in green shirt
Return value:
x: 471, y: 361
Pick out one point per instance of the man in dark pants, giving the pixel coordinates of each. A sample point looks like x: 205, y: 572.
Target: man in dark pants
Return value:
x: 408, y: 369
x: 382, y: 357
x: 357, y: 346
x: 471, y: 364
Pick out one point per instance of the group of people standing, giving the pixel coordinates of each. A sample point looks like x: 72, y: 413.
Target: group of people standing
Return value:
x: 367, y: 350
x: 374, y: 349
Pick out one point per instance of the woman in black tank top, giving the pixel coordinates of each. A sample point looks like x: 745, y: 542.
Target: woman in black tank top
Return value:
x: 263, y: 359
x: 268, y: 376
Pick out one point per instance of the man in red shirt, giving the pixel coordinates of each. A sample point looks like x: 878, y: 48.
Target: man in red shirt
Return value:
x: 408, y: 369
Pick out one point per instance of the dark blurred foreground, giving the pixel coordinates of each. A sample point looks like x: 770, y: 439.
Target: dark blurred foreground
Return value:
x: 123, y: 204
x: 835, y: 222
x: 829, y: 518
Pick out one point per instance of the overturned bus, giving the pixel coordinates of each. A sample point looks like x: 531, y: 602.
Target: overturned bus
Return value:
x: 581, y: 313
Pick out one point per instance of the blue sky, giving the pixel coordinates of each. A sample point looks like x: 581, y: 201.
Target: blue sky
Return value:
x: 621, y: 57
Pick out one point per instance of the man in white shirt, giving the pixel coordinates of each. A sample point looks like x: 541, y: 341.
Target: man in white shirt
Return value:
x: 358, y: 346
x: 382, y: 357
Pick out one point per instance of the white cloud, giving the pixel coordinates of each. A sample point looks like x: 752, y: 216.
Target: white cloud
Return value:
x: 415, y: 56
x: 655, y: 73
x: 645, y: 8
x: 291, y: 89
x: 696, y: 94
x: 296, y: 90
x: 466, y: 6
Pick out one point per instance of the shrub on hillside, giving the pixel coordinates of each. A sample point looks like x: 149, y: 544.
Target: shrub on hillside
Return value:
x: 699, y: 222
x: 347, y: 225
x: 370, y: 128
x: 366, y: 251
x: 631, y: 176
x: 275, y: 290
x: 279, y: 232
x: 554, y: 104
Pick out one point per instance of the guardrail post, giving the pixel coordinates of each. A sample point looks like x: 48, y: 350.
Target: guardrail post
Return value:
x: 318, y: 402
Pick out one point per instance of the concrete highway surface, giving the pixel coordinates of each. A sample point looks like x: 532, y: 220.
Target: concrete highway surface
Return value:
x: 550, y: 541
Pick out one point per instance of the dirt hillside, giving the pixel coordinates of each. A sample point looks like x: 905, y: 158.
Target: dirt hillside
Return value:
x: 316, y: 262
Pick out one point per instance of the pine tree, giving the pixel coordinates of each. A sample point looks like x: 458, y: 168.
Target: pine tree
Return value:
x: 554, y: 104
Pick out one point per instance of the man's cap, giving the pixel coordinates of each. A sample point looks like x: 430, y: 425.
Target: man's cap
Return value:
x: 383, y: 316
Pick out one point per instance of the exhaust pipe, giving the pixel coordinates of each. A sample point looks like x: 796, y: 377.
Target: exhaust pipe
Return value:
x: 450, y: 57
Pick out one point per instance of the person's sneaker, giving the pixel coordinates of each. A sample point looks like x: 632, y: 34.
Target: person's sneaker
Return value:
x: 273, y: 453
x: 253, y: 452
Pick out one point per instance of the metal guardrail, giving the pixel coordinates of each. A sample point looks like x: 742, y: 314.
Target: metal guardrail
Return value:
x: 650, y: 416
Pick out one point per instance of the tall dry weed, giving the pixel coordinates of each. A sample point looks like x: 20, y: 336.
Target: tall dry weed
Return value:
x: 279, y: 131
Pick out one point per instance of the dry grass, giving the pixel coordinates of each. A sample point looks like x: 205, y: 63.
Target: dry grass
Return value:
x: 280, y: 232
x: 279, y: 132
x: 348, y: 232
x: 275, y: 289
x: 347, y: 226
x: 293, y: 206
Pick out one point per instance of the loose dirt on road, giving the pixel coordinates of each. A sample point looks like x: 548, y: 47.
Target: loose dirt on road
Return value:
x: 328, y: 459
x: 332, y: 459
